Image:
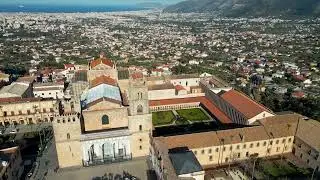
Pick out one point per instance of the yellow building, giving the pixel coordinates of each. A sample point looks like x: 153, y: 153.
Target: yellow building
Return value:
x: 272, y: 136
x: 17, y: 110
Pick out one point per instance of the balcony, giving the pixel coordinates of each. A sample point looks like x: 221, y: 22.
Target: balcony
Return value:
x: 108, y: 160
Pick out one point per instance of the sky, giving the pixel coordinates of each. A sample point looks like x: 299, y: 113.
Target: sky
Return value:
x: 84, y: 2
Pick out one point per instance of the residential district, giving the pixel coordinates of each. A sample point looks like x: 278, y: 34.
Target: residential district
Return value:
x: 134, y: 99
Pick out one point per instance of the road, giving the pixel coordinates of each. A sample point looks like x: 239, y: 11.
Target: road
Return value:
x: 22, y: 129
x: 47, y: 162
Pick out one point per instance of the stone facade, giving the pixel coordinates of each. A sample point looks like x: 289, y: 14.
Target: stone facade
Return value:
x: 67, y: 133
x: 27, y: 111
x: 105, y: 130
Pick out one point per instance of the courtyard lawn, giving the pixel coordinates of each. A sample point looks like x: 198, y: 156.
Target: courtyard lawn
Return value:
x: 162, y: 118
x: 195, y: 114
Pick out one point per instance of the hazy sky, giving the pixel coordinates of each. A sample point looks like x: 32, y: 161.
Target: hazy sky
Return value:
x: 91, y: 2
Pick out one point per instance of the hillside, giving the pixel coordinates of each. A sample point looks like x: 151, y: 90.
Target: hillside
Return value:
x: 242, y: 8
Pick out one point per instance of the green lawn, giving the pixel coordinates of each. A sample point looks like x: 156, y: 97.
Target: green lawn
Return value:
x: 162, y: 118
x: 195, y: 114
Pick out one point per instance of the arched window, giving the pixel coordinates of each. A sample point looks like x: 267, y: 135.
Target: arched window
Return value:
x: 139, y: 95
x: 68, y: 136
x: 105, y: 120
x: 139, y: 108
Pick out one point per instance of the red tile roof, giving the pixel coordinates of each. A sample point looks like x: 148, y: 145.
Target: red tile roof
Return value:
x: 98, y: 61
x: 137, y: 75
x: 248, y: 107
x: 18, y: 99
x: 298, y: 94
x: 66, y: 66
x: 103, y: 80
x: 179, y: 88
x: 203, y: 100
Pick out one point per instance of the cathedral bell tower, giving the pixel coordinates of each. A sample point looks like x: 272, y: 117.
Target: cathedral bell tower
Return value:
x: 138, y: 97
x: 140, y: 119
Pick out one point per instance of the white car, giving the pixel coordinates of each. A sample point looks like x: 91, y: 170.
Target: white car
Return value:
x: 13, y: 131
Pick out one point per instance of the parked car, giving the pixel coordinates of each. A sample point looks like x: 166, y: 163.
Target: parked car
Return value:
x: 14, y: 131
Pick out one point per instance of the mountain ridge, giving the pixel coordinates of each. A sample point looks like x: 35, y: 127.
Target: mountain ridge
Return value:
x: 241, y: 8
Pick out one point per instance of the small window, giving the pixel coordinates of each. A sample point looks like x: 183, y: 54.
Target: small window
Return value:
x: 140, y: 147
x: 195, y: 152
x: 244, y: 146
x: 224, y: 148
x: 105, y: 120
x: 258, y: 144
x: 140, y: 140
x: 247, y: 154
x: 238, y: 146
x: 277, y: 141
x: 230, y: 148
x: 217, y: 149
x: 251, y: 145
x: 271, y: 142
x: 210, y: 158
x: 202, y: 152
x: 227, y: 159
x: 289, y: 140
x: 264, y: 143
x: 68, y: 136
x: 283, y: 141
x: 210, y: 151
x: 140, y: 127
x: 139, y: 109
x: 12, y: 113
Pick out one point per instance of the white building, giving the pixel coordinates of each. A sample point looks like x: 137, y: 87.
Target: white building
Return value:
x: 49, y: 90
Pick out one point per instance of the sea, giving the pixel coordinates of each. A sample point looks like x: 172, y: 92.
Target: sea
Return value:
x: 68, y: 8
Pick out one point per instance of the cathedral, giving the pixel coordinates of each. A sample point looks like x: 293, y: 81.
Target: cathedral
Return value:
x: 112, y: 122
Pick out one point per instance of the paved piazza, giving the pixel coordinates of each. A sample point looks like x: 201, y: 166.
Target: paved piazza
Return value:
x: 136, y: 167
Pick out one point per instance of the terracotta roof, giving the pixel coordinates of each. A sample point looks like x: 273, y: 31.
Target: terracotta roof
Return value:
x: 98, y: 61
x: 161, y: 86
x: 248, y: 107
x: 179, y: 88
x: 103, y: 80
x: 298, y: 94
x: 68, y: 66
x: 231, y: 136
x: 18, y: 99
x: 195, y: 140
x: 281, y: 125
x: 137, y: 75
x: 203, y: 100
x: 308, y: 131
x: 216, y: 138
x: 101, y: 100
